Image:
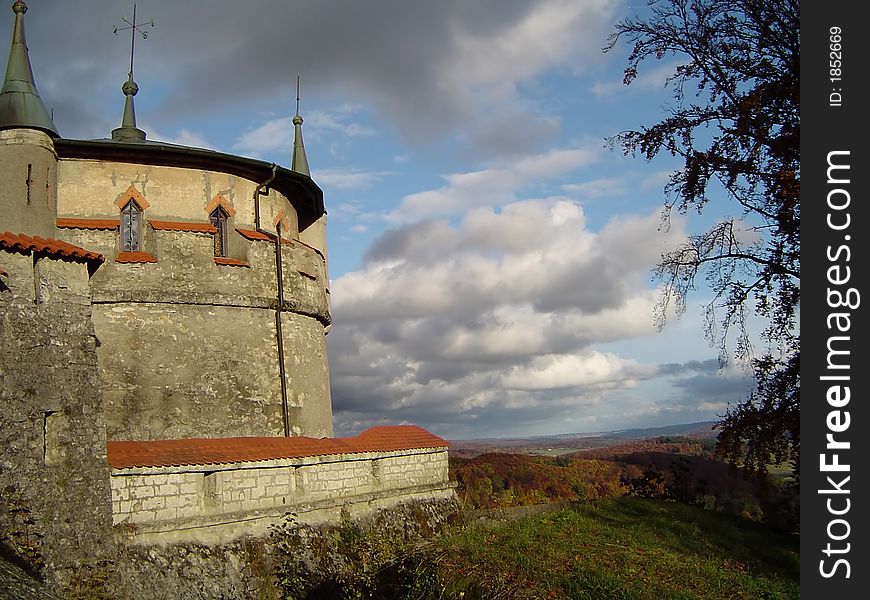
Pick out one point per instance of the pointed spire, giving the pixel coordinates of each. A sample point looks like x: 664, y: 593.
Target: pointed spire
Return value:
x: 20, y: 104
x: 300, y: 161
x: 128, y: 132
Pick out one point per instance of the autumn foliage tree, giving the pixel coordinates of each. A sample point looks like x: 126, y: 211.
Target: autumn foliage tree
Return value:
x: 503, y: 480
x: 734, y: 124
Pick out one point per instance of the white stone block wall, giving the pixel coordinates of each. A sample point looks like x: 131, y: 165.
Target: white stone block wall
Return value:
x: 336, y: 480
x: 157, y: 495
x: 248, y: 489
x: 416, y: 469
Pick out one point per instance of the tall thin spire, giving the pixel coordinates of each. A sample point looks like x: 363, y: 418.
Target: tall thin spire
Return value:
x: 300, y: 161
x: 128, y: 130
x: 20, y: 104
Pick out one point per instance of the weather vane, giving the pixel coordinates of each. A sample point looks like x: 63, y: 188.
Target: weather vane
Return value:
x: 134, y: 27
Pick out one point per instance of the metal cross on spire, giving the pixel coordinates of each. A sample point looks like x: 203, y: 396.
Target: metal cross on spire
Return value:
x: 134, y: 28
x: 297, y: 93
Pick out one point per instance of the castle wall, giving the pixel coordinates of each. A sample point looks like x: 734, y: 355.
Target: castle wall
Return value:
x: 179, y: 370
x: 207, y: 503
x: 54, y: 476
x: 188, y: 347
x: 89, y: 188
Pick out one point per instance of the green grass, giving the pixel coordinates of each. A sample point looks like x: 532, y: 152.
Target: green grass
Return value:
x: 623, y: 548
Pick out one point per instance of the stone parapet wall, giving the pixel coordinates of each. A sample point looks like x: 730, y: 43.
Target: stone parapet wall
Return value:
x: 53, y: 470
x: 211, y: 500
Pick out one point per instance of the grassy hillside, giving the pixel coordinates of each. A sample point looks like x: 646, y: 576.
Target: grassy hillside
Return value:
x: 620, y: 548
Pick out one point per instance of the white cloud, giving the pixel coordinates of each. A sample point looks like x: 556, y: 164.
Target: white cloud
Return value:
x: 184, y: 137
x: 276, y: 134
x: 494, y: 315
x: 582, y: 370
x: 554, y: 33
x: 319, y: 125
x: 596, y: 188
x: 491, y: 187
x: 348, y: 178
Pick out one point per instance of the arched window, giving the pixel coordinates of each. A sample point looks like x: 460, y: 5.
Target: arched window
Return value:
x: 131, y: 227
x: 218, y: 218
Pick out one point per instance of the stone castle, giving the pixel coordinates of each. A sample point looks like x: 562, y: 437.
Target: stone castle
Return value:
x: 164, y: 376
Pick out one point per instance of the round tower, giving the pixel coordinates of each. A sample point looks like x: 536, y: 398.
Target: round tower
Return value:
x: 28, y: 198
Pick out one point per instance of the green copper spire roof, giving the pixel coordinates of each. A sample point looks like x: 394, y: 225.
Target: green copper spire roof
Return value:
x: 20, y: 104
x: 300, y: 161
x: 128, y: 130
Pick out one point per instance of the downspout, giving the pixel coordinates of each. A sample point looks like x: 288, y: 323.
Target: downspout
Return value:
x: 285, y: 409
x: 263, y: 188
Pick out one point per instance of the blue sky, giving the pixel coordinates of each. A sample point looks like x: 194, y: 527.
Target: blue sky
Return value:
x: 489, y: 255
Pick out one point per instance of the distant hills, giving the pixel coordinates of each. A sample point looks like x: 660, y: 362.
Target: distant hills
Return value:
x: 566, y: 442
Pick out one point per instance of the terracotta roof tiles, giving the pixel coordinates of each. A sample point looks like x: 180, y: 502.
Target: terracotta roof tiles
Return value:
x: 77, y: 223
x: 253, y: 234
x: 230, y: 262
x: 135, y: 257
x: 47, y: 246
x: 167, y: 453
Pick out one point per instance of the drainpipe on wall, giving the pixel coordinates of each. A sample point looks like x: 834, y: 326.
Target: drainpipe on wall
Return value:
x: 263, y: 188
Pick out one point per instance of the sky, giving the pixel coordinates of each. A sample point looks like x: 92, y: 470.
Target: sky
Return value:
x: 490, y: 254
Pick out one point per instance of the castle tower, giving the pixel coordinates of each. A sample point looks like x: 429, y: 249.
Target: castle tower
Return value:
x: 27, y: 189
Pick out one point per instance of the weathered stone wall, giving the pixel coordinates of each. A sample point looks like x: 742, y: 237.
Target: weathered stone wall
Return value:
x: 185, y: 272
x: 173, y: 371
x: 250, y: 567
x: 29, y: 184
x: 207, y: 502
x: 55, y: 509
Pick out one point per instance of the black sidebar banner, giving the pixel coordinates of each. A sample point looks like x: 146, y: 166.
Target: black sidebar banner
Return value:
x: 835, y: 227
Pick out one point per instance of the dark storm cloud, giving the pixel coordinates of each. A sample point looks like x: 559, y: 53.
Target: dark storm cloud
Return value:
x: 420, y: 64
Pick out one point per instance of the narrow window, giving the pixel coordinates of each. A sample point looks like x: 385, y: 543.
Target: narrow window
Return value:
x: 218, y: 218
x: 131, y: 227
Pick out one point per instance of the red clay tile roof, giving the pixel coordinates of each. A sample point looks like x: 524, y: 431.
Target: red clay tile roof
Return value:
x: 253, y: 234
x: 135, y: 257
x: 47, y: 246
x: 231, y: 262
x: 169, y: 453
x: 182, y: 226
x: 75, y: 223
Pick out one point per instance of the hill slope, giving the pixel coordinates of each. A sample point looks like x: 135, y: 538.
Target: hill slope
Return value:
x: 623, y: 548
